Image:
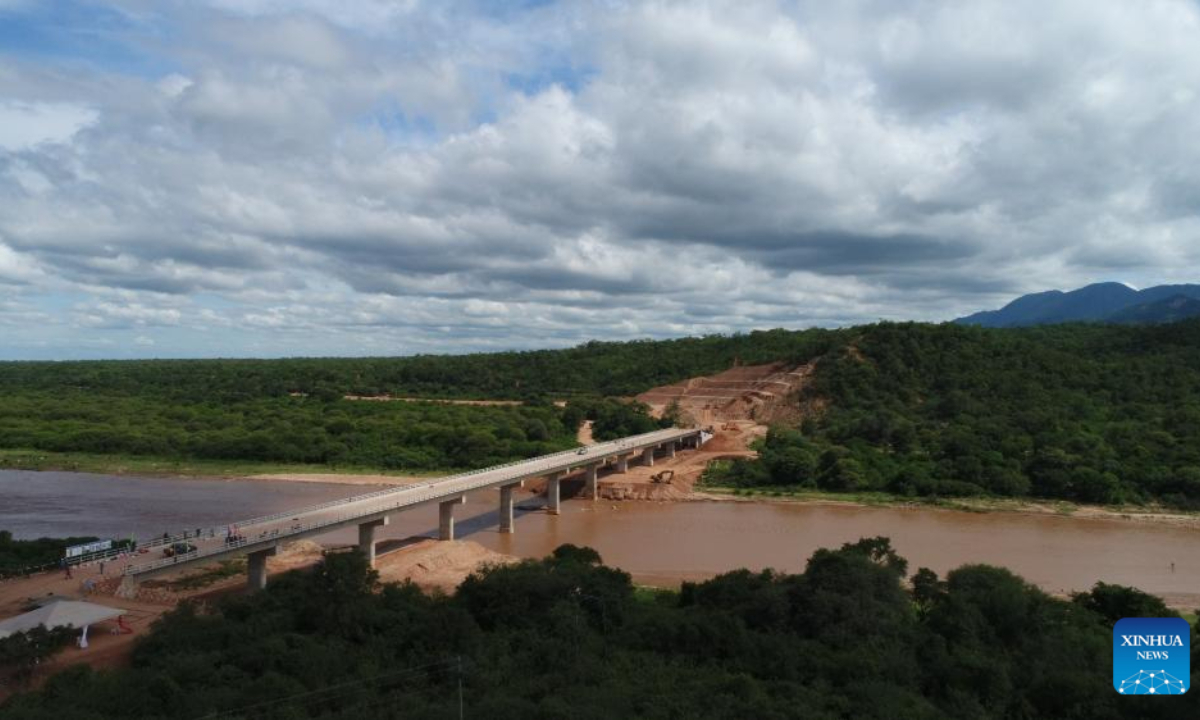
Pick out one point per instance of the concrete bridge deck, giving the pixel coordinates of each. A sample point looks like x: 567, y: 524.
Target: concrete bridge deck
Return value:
x: 260, y: 537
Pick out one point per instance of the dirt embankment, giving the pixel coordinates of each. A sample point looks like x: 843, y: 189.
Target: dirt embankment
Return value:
x: 673, y: 478
x: 759, y: 393
x: 736, y: 404
x: 437, y: 564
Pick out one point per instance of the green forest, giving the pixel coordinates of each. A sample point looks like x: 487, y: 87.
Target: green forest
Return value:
x: 18, y: 557
x: 384, y: 435
x: 294, y: 411
x: 1087, y: 413
x: 1095, y: 414
x: 568, y: 638
x: 593, y: 369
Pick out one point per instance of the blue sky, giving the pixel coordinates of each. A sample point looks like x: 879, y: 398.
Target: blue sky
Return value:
x: 78, y: 35
x: 266, y: 178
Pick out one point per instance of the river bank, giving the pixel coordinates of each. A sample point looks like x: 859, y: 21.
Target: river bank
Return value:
x: 291, y: 473
x: 151, y: 466
x: 1062, y: 508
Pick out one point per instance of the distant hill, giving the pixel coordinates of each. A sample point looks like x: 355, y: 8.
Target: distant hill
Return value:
x: 1103, y: 302
x: 1171, y: 309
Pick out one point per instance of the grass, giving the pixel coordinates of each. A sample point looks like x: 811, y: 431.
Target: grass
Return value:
x: 151, y: 465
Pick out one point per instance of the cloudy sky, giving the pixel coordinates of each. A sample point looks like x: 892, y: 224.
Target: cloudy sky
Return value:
x: 350, y: 177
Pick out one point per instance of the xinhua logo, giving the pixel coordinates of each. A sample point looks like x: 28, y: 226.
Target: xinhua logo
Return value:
x: 1152, y: 656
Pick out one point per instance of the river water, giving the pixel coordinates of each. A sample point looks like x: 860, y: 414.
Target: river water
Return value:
x: 656, y: 542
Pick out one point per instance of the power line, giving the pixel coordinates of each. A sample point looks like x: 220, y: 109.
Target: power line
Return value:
x: 323, y: 694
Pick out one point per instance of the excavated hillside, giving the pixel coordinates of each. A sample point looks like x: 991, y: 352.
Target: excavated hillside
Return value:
x: 736, y: 404
x: 756, y: 393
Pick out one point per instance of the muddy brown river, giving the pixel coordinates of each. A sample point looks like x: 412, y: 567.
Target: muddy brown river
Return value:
x: 659, y: 543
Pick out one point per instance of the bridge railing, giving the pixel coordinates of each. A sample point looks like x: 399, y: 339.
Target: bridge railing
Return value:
x: 119, y: 552
x: 453, y: 484
x: 278, y: 534
x: 632, y: 440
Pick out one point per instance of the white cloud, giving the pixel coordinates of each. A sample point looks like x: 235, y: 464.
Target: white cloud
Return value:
x: 112, y: 315
x: 17, y: 267
x: 424, y: 176
x: 25, y: 125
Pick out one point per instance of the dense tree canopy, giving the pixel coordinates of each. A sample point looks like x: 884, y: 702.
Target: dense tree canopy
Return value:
x: 596, y: 368
x: 292, y: 410
x: 1091, y: 413
x: 20, y: 556
x: 388, y: 435
x: 1088, y: 413
x: 612, y: 419
x: 567, y: 637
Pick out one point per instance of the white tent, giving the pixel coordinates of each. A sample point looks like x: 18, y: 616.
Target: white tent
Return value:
x: 59, y: 614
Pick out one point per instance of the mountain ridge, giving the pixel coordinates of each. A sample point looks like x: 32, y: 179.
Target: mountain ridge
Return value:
x: 1108, y: 302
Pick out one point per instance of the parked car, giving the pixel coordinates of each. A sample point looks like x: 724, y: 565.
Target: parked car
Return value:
x: 179, y: 548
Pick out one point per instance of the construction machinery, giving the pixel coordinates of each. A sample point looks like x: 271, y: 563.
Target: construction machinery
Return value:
x: 663, y: 477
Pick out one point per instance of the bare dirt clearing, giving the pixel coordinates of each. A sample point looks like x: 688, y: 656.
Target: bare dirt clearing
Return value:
x: 584, y: 436
x: 436, y: 564
x: 750, y: 392
x: 731, y: 440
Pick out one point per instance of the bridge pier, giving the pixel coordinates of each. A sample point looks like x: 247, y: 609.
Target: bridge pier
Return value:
x: 257, y: 567
x: 128, y: 589
x: 446, y: 517
x: 589, y: 482
x: 254, y: 538
x: 366, y: 538
x: 506, y: 506
x: 553, y: 493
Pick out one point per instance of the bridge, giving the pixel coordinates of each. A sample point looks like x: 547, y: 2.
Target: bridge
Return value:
x: 259, y: 538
